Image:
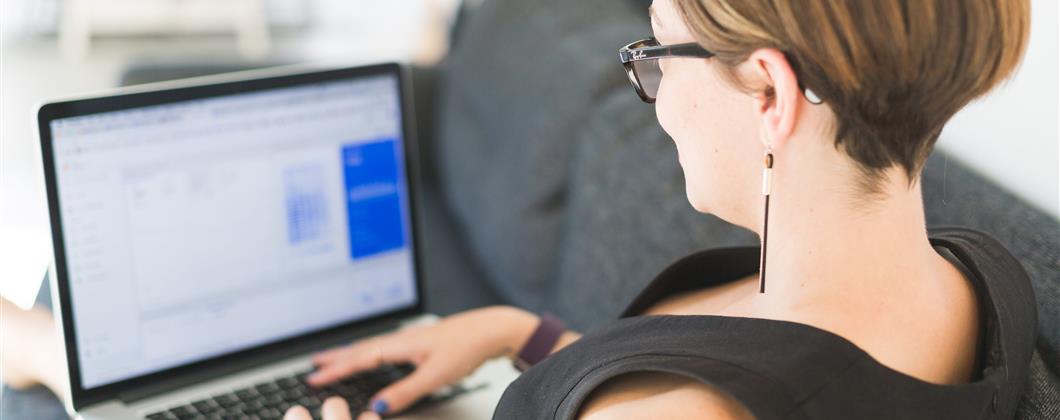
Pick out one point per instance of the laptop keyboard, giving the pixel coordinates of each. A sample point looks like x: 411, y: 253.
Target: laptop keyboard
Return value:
x: 269, y: 400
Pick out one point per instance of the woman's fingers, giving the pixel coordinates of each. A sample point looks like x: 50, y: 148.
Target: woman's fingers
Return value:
x: 368, y: 415
x: 335, y: 408
x: 330, y: 355
x: 346, y: 361
x: 363, y: 356
x: 297, y: 413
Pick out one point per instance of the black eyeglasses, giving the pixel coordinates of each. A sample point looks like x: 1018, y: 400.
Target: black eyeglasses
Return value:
x: 642, y: 66
x: 640, y: 60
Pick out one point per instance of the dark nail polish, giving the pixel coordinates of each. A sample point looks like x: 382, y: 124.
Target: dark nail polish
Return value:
x: 380, y: 406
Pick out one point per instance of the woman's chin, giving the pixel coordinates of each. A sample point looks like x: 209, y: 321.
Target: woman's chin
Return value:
x: 698, y: 203
x: 704, y: 204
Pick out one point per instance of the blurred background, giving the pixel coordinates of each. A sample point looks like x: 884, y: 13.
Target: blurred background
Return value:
x: 56, y: 48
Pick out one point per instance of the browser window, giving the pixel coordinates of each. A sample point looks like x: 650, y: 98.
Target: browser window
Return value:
x: 204, y: 227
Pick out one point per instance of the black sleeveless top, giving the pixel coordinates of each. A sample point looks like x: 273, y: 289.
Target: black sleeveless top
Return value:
x: 788, y: 370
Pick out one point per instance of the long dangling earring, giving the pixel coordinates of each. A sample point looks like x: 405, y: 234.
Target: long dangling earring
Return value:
x: 767, y: 183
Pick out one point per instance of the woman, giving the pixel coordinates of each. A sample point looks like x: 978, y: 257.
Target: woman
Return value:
x: 807, y: 122
x: 845, y: 100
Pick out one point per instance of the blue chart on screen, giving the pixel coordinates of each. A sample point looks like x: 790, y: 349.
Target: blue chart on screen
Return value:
x: 373, y: 197
x: 306, y: 203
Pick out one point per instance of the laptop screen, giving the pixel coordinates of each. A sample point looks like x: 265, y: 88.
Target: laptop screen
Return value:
x: 199, y: 228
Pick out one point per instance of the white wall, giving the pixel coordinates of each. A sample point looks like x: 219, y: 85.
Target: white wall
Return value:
x: 1012, y: 135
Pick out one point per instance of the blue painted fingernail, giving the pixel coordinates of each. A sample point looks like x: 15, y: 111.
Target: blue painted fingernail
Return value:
x: 380, y: 406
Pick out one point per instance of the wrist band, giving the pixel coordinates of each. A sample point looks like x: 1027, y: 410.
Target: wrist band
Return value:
x: 541, y: 342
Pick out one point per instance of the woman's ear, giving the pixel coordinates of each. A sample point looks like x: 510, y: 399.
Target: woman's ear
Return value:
x: 778, y: 98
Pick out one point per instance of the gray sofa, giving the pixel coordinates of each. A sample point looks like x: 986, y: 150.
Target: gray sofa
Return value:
x: 549, y: 185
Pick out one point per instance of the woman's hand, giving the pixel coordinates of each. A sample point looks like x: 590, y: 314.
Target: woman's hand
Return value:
x: 334, y: 408
x: 443, y: 354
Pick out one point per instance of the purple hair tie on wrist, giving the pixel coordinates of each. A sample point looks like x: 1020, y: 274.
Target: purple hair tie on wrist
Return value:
x: 541, y: 342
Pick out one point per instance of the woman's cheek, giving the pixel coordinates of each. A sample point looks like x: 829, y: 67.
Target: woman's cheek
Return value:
x: 661, y: 115
x: 667, y: 106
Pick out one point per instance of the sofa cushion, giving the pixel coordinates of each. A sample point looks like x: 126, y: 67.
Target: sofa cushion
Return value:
x: 514, y: 90
x: 1041, y: 399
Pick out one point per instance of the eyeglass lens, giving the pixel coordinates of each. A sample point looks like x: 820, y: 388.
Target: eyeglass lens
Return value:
x: 649, y: 76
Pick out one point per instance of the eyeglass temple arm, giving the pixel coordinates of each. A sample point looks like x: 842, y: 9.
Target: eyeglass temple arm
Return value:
x: 661, y: 51
x: 628, y: 55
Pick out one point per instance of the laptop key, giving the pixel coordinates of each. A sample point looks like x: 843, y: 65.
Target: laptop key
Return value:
x: 206, y: 406
x: 288, y: 382
x: 321, y: 393
x: 295, y: 393
x: 247, y: 394
x: 184, y: 414
x: 270, y: 400
x: 254, y: 406
x: 284, y: 406
x: 267, y: 388
x: 310, y: 402
x: 269, y: 413
x: 236, y: 409
x: 226, y: 400
x: 274, y: 400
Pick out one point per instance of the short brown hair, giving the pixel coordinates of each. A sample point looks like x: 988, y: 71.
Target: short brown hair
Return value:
x: 892, y: 71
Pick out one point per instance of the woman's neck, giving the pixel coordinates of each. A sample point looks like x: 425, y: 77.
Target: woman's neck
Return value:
x: 826, y: 247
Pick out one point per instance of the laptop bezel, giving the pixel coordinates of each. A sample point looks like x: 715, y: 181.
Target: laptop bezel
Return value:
x: 81, y: 397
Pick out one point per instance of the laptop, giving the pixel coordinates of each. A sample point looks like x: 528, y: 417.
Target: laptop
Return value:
x: 211, y: 234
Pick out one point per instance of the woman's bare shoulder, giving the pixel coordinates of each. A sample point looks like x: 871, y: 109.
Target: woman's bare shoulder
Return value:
x: 660, y: 395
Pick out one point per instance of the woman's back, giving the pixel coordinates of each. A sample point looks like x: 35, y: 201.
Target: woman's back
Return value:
x: 891, y: 324
x: 779, y: 368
